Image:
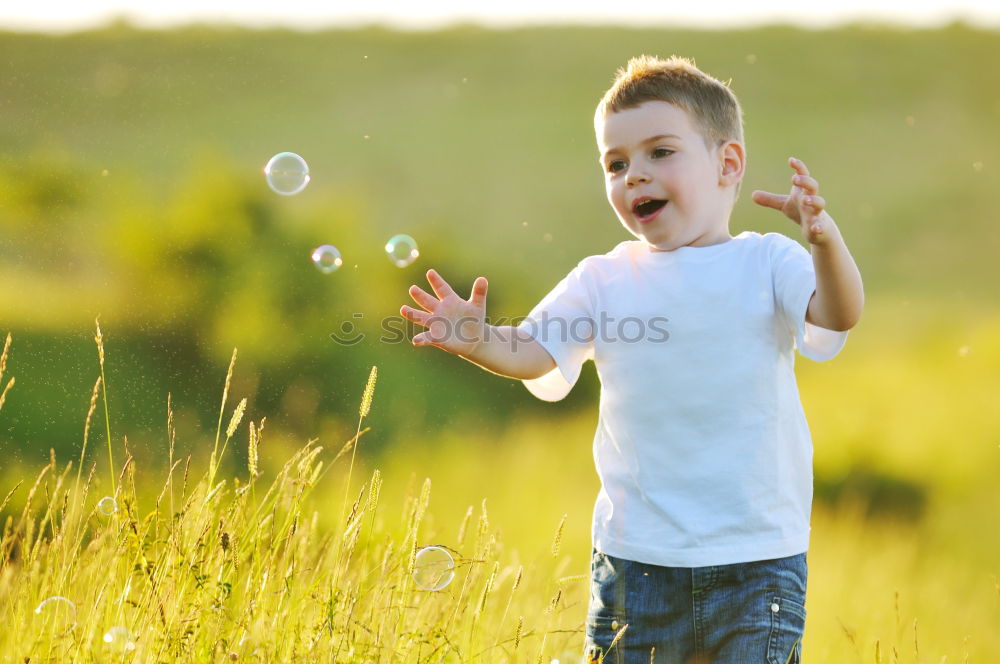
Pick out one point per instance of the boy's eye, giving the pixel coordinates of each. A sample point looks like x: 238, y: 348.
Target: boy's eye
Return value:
x: 616, y: 165
x: 662, y: 152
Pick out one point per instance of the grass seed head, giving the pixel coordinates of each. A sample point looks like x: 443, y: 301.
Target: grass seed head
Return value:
x: 3, y: 395
x: 237, y: 418
x: 100, y: 341
x: 3, y: 356
x: 557, y: 540
x: 252, y: 451
x: 366, y: 398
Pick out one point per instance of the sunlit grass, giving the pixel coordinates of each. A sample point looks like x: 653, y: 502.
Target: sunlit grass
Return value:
x: 269, y: 561
x: 242, y: 569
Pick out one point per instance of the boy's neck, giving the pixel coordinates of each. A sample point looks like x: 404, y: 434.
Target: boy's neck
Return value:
x: 720, y: 236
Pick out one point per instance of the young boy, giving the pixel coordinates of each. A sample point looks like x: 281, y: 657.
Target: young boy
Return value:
x: 705, y: 459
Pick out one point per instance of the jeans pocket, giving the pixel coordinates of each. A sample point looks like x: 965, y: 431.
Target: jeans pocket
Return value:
x: 601, y: 633
x: 788, y: 623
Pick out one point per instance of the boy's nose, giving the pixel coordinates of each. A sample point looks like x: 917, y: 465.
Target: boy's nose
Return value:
x: 636, y: 176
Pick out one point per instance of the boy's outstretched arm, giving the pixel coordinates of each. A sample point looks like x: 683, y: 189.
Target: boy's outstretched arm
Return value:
x: 459, y: 326
x: 839, y: 297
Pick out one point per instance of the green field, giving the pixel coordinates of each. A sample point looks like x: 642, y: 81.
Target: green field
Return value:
x: 131, y: 189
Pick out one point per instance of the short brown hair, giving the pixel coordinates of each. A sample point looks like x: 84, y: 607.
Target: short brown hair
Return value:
x: 711, y: 104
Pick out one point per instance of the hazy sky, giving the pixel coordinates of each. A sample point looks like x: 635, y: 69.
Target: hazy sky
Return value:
x: 74, y: 14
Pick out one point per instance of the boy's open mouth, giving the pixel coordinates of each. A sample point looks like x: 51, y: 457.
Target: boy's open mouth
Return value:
x: 648, y: 207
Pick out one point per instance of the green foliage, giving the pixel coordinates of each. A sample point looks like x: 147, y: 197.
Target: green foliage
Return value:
x: 130, y: 187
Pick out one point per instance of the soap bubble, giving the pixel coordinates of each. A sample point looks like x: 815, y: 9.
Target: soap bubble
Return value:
x: 59, y: 613
x: 433, y: 568
x: 326, y: 258
x: 107, y: 506
x: 287, y: 173
x: 120, y: 639
x: 402, y: 250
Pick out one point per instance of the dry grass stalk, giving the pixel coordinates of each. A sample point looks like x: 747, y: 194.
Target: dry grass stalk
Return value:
x: 465, y: 524
x: 252, y: 452
x: 3, y: 395
x: 236, y: 418
x: 557, y: 540
x: 373, y: 494
x: 349, y: 445
x: 10, y: 493
x: 365, y: 408
x: 86, y: 425
x: 3, y: 367
x: 366, y: 398
x: 99, y: 339
x: 482, y: 532
x: 214, y: 459
x: 618, y: 637
x: 3, y: 356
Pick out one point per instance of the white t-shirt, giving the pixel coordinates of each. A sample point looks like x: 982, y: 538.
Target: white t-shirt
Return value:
x: 702, y: 446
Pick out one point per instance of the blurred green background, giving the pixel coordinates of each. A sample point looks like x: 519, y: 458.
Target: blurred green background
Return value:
x: 131, y: 187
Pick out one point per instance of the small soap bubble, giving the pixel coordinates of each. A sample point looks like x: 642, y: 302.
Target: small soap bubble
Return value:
x: 327, y: 258
x: 402, y: 250
x: 433, y: 568
x: 107, y: 506
x: 963, y: 351
x: 59, y: 613
x: 120, y: 639
x: 287, y: 173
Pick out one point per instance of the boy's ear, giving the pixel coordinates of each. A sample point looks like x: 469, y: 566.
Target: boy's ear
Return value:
x: 732, y: 163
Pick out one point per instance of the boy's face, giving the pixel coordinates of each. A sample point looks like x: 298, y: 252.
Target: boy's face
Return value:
x: 666, y: 185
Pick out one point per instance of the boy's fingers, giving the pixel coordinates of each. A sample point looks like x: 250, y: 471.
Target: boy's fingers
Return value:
x: 817, y: 203
x: 479, y: 288
x: 810, y: 185
x: 423, y: 339
x: 423, y: 298
x: 418, y: 317
x: 767, y: 199
x: 440, y: 286
x: 798, y: 165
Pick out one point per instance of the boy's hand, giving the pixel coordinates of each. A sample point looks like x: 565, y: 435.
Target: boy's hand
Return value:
x: 453, y: 324
x: 804, y: 205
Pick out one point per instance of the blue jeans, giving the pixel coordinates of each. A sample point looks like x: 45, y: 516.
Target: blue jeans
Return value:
x: 747, y: 613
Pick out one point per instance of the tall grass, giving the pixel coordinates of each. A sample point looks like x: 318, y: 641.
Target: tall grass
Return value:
x: 209, y: 562
x: 242, y: 571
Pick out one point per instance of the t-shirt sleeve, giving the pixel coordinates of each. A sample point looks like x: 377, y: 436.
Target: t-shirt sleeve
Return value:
x: 794, y: 284
x: 563, y: 324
